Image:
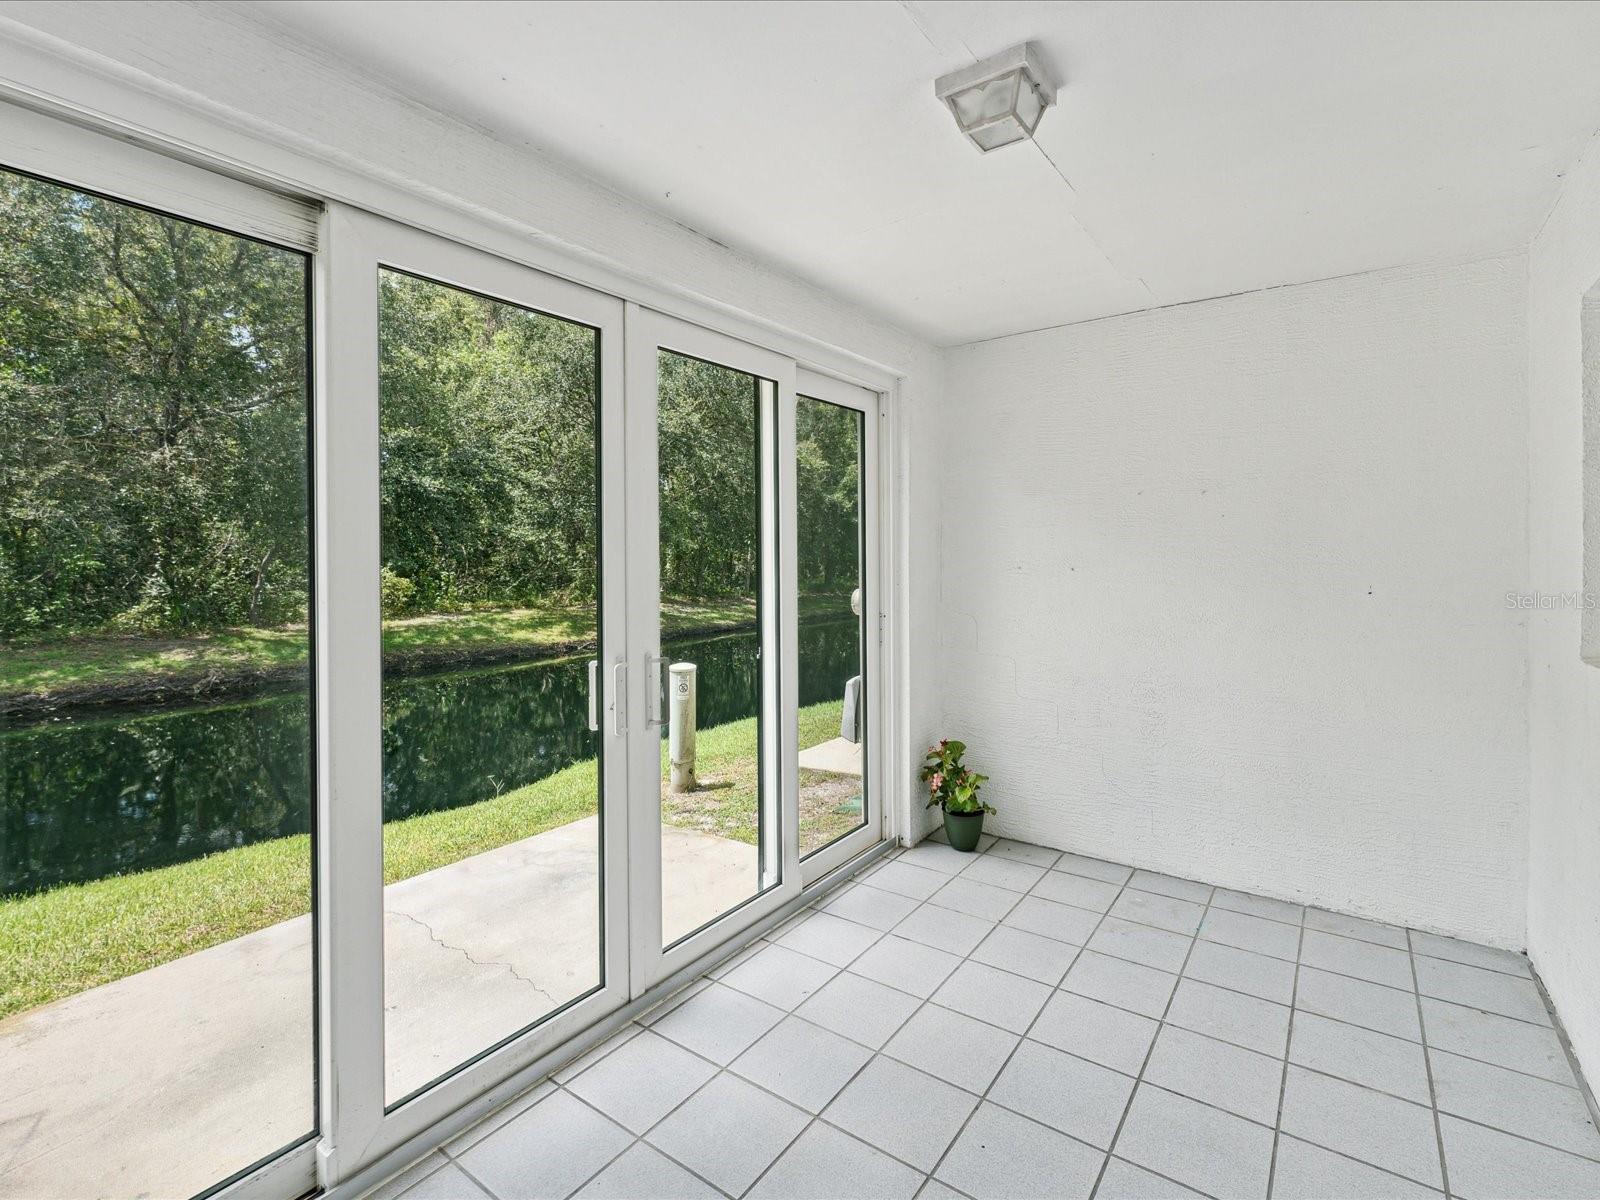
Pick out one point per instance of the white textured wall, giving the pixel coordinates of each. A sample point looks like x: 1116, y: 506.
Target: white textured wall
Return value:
x: 1564, y: 701
x: 1223, y: 590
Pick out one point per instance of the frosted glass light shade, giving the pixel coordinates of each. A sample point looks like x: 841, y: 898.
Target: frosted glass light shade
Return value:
x: 1000, y: 100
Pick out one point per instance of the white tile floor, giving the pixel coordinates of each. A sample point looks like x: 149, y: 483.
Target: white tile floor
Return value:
x: 1023, y: 1023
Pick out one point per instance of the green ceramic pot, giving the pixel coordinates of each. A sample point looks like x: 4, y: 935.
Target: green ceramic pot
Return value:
x: 963, y: 829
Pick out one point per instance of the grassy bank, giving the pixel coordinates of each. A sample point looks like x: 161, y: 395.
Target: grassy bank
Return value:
x: 65, y: 941
x: 59, y: 666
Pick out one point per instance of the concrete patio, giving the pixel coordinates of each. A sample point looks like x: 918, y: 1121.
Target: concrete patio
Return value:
x: 836, y: 756
x: 97, y: 1097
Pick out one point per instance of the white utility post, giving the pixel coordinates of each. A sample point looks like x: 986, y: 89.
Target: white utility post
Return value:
x: 680, y: 726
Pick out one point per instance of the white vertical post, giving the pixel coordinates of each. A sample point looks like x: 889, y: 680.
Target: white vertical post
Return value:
x: 781, y: 641
x: 680, y: 731
x: 349, y: 680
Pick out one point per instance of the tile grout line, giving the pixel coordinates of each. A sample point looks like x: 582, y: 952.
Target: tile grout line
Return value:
x: 1580, y: 1081
x: 1306, y: 908
x: 462, y: 1167
x: 448, y: 1161
x: 1161, y: 1024
x: 1433, y: 1192
x: 923, y: 1002
x: 1110, y: 1158
x: 720, y: 1069
x: 1427, y: 1062
x: 910, y: 1166
x: 744, y: 955
x: 1511, y: 1133
x: 1250, y: 1049
x: 1288, y: 1048
x: 1293, y: 1008
x: 822, y: 1119
x: 1472, y: 1057
x: 639, y: 1139
x: 1407, y: 991
x: 983, y: 1097
x: 814, y: 1118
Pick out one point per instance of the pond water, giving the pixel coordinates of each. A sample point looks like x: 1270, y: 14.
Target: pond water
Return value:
x: 83, y: 798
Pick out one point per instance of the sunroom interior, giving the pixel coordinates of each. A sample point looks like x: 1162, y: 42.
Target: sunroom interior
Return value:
x: 938, y: 598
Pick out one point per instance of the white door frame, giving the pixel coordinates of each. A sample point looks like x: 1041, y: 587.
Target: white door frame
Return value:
x: 874, y: 620
x: 648, y: 333
x: 356, y: 1127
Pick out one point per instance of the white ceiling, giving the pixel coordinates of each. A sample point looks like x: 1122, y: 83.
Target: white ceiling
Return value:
x: 1199, y: 149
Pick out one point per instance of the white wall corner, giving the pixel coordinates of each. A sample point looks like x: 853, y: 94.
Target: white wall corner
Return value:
x: 1564, y: 570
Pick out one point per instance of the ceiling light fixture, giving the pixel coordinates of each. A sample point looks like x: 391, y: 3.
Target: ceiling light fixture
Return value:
x: 999, y: 100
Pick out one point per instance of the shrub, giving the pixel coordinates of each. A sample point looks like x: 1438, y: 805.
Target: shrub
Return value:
x: 396, y: 593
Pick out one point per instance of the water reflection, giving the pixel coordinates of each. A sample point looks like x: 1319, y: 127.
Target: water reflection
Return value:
x: 84, y: 798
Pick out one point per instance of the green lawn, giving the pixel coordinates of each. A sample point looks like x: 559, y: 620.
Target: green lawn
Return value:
x: 46, y: 667
x: 58, y: 943
x: 50, y: 666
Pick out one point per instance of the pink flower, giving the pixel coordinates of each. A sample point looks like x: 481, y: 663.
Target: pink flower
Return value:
x: 936, y: 782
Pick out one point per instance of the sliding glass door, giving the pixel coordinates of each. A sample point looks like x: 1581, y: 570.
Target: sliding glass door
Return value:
x: 714, y: 842
x: 156, y: 821
x: 493, y: 849
x: 837, y: 731
x: 408, y: 659
x: 475, y: 920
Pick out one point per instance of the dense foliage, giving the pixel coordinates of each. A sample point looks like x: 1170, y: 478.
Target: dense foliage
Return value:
x: 153, y: 439
x: 152, y: 419
x: 828, y: 446
x: 487, y: 436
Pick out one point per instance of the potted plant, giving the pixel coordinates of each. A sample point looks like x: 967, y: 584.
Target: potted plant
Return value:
x: 954, y: 788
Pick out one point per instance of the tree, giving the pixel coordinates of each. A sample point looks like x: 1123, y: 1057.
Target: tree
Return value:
x: 153, y: 438
x: 707, y: 445
x: 828, y: 446
x: 489, y: 477
x: 153, y: 409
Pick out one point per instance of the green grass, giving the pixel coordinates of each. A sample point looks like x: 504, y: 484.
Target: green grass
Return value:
x: 725, y: 767
x: 57, y: 943
x: 48, y: 666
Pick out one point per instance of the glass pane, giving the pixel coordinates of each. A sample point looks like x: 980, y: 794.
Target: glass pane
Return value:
x: 490, y: 586
x: 832, y: 734
x: 719, y: 832
x: 156, y: 981
x: 986, y: 101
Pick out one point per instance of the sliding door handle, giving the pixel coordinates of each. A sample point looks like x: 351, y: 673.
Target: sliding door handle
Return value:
x: 619, y: 698
x: 594, y: 696
x: 654, y: 717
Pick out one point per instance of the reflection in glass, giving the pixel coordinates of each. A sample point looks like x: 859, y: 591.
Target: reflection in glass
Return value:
x: 832, y: 733
x: 156, y: 986
x: 491, y: 783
